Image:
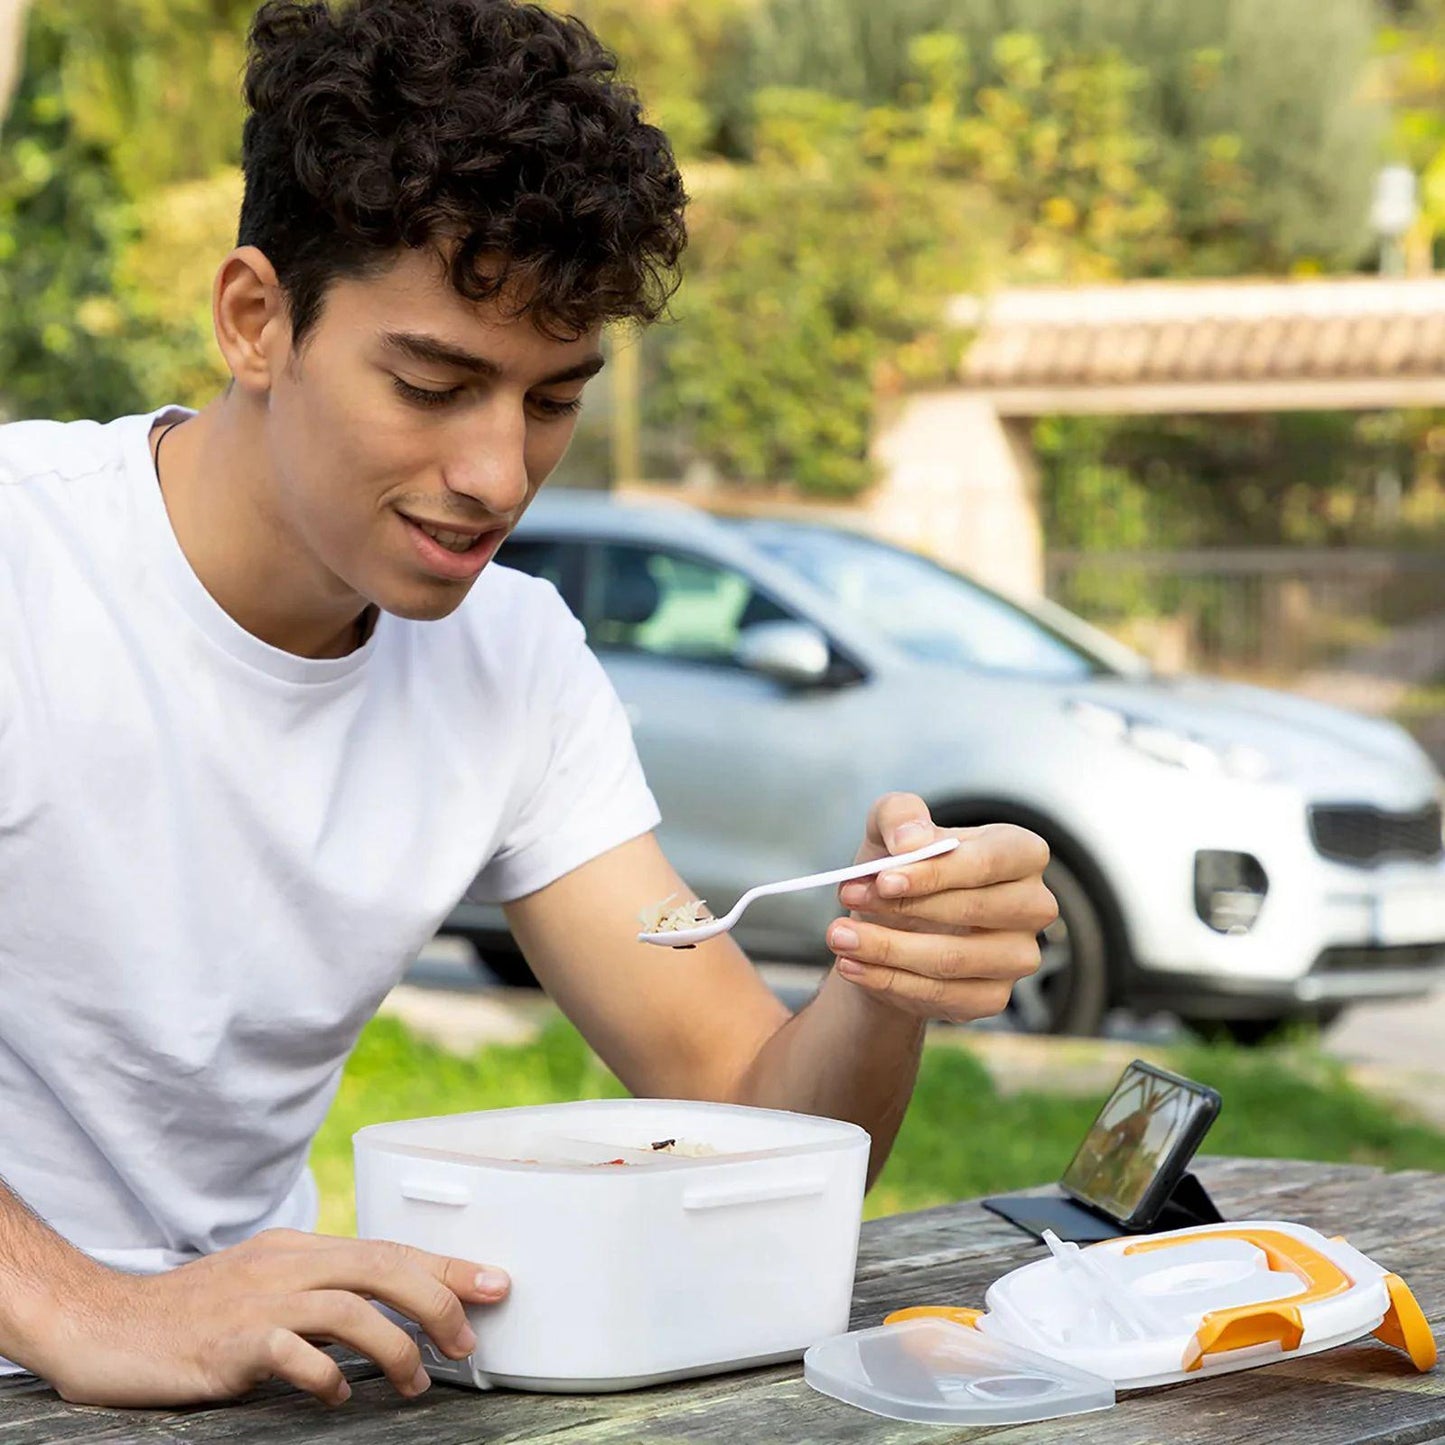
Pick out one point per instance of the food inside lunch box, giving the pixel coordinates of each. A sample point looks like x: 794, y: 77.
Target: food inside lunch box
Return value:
x: 682, y: 1148
x: 685, y: 1147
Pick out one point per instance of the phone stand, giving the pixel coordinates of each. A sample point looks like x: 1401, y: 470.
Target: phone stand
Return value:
x: 1188, y: 1203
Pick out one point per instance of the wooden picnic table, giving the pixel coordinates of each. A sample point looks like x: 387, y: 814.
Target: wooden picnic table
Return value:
x: 949, y: 1255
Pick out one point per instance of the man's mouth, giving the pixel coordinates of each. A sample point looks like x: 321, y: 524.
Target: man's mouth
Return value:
x: 450, y: 552
x: 450, y: 538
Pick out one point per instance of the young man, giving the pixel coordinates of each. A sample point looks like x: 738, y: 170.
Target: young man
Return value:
x: 265, y: 710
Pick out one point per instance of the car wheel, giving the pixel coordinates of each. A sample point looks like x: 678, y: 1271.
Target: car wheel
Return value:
x: 1250, y: 1032
x: 498, y: 957
x: 1070, y: 992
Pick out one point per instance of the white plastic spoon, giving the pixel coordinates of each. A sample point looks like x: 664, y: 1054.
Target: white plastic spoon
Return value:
x: 689, y: 937
x: 1137, y: 1315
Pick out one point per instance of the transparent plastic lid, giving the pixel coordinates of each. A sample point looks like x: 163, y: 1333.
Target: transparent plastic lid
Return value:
x: 937, y: 1372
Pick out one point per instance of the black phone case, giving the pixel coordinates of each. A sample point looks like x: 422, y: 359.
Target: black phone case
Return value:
x: 1188, y: 1204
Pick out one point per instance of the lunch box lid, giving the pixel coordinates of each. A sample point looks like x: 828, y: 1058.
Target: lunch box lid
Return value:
x: 1063, y: 1333
x: 931, y: 1370
x: 579, y: 1135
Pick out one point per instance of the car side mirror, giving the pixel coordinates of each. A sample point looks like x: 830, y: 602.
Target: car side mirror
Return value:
x: 793, y: 653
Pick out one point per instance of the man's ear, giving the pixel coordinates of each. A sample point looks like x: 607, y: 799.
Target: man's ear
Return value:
x: 252, y: 323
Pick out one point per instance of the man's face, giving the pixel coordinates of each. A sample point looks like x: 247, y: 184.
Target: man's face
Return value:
x: 400, y: 463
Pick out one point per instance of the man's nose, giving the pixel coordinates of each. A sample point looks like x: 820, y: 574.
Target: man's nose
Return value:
x: 489, y: 464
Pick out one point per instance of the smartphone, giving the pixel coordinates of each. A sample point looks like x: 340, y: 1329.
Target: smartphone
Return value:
x: 1140, y: 1144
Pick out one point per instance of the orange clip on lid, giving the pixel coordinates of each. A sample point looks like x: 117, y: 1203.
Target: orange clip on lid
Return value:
x: 1259, y: 1324
x: 959, y: 1314
x: 1406, y: 1327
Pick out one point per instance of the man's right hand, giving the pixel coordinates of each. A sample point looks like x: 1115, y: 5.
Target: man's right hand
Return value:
x: 215, y: 1328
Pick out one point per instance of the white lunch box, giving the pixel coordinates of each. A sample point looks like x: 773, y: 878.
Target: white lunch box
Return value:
x: 629, y: 1266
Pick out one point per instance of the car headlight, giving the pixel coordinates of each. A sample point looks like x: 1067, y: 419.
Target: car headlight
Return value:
x: 1170, y: 745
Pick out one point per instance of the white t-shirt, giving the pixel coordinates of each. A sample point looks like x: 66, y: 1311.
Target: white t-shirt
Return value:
x: 216, y: 857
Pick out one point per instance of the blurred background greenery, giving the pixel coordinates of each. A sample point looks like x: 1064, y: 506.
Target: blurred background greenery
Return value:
x: 964, y: 1135
x: 852, y: 165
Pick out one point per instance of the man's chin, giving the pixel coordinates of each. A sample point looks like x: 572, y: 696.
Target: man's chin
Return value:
x: 428, y: 603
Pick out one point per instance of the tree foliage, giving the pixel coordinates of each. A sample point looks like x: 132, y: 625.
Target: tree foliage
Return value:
x: 1289, y: 479
x: 670, y: 50
x: 853, y: 163
x: 819, y: 273
x: 1301, y: 479
x: 1410, y: 78
x: 808, y: 272
x: 118, y: 193
x: 1266, y: 134
x: 119, y: 184
x: 64, y: 221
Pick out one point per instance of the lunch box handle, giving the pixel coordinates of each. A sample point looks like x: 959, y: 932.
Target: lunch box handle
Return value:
x: 725, y: 1196
x: 435, y: 1192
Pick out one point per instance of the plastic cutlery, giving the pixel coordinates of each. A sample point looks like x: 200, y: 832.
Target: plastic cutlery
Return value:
x: 1100, y: 1286
x: 690, y: 937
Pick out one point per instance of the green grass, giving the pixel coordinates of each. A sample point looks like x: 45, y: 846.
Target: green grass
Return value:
x: 1423, y: 701
x: 961, y: 1138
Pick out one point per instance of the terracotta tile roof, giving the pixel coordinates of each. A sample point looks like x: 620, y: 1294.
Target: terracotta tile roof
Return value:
x: 1148, y: 332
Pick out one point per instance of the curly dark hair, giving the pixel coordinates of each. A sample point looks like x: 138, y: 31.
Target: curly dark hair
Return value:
x: 494, y: 132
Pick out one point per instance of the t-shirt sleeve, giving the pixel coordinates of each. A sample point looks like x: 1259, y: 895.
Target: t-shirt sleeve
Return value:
x: 586, y: 794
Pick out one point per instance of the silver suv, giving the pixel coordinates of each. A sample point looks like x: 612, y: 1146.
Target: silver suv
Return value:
x: 1236, y: 855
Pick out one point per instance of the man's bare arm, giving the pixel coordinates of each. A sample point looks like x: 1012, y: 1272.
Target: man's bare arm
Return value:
x: 37, y: 1268
x: 845, y: 1056
x: 215, y: 1328
x: 701, y: 1023
x: 946, y: 940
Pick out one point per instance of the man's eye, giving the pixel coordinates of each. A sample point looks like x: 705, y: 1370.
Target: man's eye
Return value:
x: 550, y: 407
x: 424, y: 396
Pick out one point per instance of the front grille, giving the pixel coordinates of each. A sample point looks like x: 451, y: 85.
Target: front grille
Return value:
x: 1362, y: 960
x: 1364, y: 836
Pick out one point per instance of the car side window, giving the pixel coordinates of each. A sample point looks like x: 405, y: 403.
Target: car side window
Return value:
x: 671, y: 604
x: 557, y: 562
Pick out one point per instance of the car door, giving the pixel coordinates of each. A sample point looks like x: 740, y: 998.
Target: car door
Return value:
x: 756, y: 779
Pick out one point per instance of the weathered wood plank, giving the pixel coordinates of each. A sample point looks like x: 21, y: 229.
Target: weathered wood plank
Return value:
x: 1361, y: 1395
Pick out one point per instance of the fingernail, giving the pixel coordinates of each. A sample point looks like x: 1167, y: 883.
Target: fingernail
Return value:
x: 845, y: 937
x: 421, y: 1381
x: 908, y: 836
x: 492, y: 1281
x: 467, y: 1339
x: 850, y: 968
x: 891, y: 885
x: 343, y: 1394
x: 854, y: 894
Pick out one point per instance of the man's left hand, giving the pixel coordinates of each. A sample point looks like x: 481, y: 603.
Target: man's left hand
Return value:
x: 949, y: 937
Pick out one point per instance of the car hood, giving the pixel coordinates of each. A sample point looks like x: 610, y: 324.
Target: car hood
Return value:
x: 1325, y: 752
x: 1328, y: 750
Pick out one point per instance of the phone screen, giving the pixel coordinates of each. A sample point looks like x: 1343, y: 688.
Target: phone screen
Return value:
x: 1149, y: 1126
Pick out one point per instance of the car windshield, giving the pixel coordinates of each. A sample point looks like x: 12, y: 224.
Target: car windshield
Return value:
x: 924, y: 609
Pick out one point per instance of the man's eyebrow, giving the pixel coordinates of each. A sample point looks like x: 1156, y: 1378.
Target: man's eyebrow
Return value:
x: 421, y: 347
